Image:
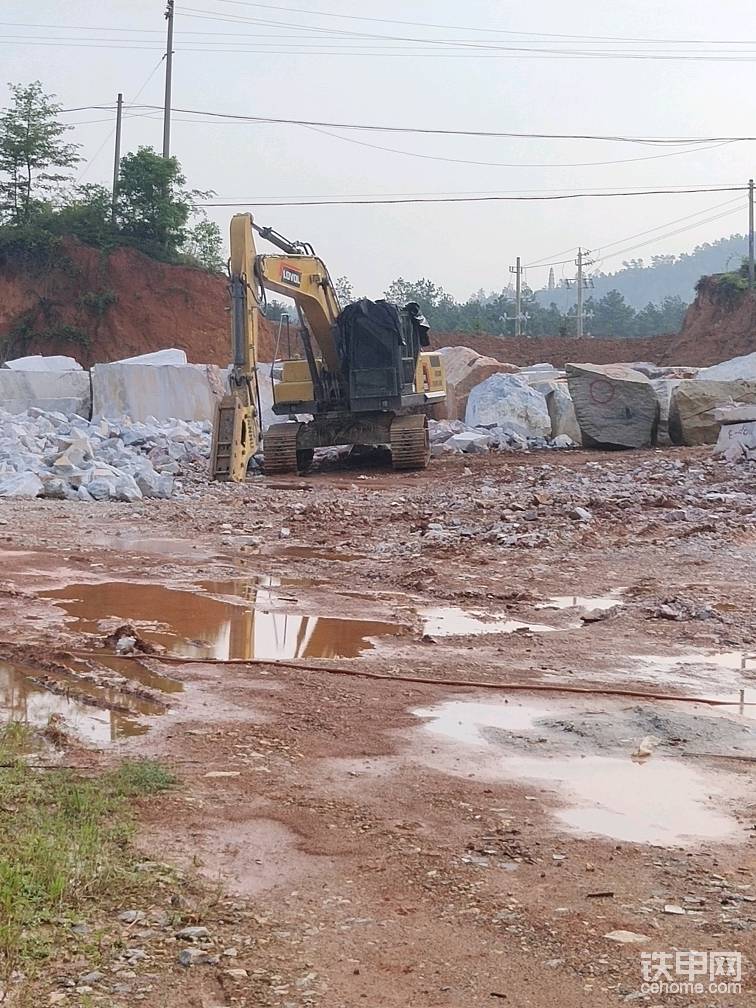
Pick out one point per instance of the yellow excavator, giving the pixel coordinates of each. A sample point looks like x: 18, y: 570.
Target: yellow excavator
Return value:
x: 362, y: 378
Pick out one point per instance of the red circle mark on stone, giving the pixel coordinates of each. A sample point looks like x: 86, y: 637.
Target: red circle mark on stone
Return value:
x: 601, y: 391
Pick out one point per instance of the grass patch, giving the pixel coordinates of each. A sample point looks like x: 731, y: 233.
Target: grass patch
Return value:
x: 140, y: 777
x: 64, y: 841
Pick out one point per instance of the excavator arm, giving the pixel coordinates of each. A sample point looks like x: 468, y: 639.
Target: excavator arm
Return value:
x: 302, y: 276
x: 305, y: 279
x: 237, y: 430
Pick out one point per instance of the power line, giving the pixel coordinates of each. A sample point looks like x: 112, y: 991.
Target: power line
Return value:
x: 488, y: 29
x: 542, y: 264
x: 361, y: 53
x: 671, y: 234
x: 648, y: 241
x: 536, y: 49
x: 478, y: 45
x: 374, y: 201
x: 499, y: 164
x: 100, y: 149
x: 671, y: 141
x: 661, y: 227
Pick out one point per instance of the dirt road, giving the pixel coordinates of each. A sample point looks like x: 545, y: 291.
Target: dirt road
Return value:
x: 419, y: 843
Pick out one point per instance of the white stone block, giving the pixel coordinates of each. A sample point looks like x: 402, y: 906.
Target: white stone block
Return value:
x: 562, y: 412
x: 736, y: 439
x: 160, y: 391
x: 39, y: 363
x: 21, y: 485
x: 507, y: 401
x: 171, y: 356
x: 66, y: 392
x: 731, y: 370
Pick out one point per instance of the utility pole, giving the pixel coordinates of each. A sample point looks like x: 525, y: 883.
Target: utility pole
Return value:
x: 168, y: 82
x: 117, y: 158
x: 750, y: 234
x: 517, y: 270
x: 581, y: 262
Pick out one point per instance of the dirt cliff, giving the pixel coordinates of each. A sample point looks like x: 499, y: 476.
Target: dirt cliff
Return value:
x: 717, y: 326
x: 558, y: 350
x: 98, y: 306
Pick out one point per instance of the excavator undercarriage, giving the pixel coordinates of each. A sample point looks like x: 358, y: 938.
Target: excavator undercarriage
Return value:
x: 289, y: 446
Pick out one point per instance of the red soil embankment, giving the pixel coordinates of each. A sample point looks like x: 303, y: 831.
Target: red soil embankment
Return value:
x: 97, y: 306
x: 558, y: 350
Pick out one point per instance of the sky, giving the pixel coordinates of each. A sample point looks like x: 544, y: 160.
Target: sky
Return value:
x: 499, y: 67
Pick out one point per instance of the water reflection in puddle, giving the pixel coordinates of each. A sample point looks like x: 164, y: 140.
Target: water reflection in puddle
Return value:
x: 23, y: 699
x: 464, y: 720
x: 660, y: 801
x: 149, y: 545
x: 450, y: 621
x: 592, y: 603
x: 720, y: 675
x: 234, y: 619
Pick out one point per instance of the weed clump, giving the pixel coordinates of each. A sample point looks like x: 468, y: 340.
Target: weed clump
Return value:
x: 64, y: 840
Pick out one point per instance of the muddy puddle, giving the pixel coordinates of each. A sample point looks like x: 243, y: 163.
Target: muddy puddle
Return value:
x: 451, y: 621
x: 238, y: 619
x: 34, y: 697
x: 719, y: 675
x: 584, y: 761
x: 714, y: 676
x: 591, y: 603
x: 153, y: 546
x: 247, y: 856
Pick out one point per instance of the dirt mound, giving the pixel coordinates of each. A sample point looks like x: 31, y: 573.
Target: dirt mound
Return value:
x: 716, y: 328
x: 558, y: 350
x: 97, y: 306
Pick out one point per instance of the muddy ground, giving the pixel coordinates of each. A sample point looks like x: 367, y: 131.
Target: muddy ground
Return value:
x: 383, y: 841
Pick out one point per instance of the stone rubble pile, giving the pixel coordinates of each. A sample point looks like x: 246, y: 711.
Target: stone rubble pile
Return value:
x: 549, y: 503
x: 455, y: 437
x: 49, y: 454
x: 132, y: 428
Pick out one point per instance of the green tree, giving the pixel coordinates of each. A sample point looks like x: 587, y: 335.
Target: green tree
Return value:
x: 87, y: 214
x: 154, y: 205
x: 612, y: 316
x: 344, y: 290
x: 34, y: 156
x: 204, y: 244
x: 426, y: 293
x: 440, y: 308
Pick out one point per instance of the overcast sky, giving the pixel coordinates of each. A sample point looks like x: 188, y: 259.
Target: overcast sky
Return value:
x: 462, y: 246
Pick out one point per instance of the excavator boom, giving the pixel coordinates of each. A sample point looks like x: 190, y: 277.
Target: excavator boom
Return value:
x: 237, y: 429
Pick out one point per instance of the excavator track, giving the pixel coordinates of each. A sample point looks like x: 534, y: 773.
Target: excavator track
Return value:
x: 410, y: 445
x: 280, y: 449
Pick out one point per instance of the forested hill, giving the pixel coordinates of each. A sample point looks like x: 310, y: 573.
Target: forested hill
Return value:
x: 641, y: 282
